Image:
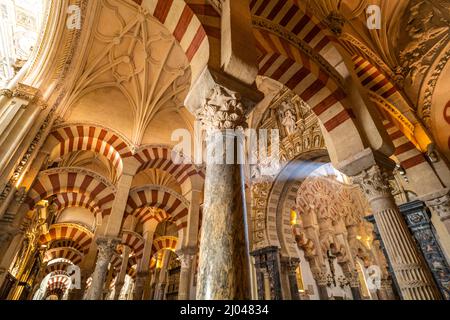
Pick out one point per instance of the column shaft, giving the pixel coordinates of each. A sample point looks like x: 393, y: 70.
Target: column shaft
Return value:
x: 413, y: 276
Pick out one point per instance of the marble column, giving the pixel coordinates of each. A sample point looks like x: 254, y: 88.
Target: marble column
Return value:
x: 186, y: 258
x: 139, y: 284
x: 223, y: 260
x: 267, y: 260
x: 106, y: 247
x: 120, y: 280
x: 291, y: 266
x: 439, y: 202
x: 143, y: 268
x: 162, y: 281
x: 413, y: 276
x: 418, y: 219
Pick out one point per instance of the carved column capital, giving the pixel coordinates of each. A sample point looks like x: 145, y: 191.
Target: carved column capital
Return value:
x: 222, y: 109
x: 374, y: 182
x: 290, y: 264
x: 6, y: 93
x: 440, y: 203
x: 106, y: 247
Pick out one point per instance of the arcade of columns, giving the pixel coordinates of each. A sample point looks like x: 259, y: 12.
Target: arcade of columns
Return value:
x: 94, y: 205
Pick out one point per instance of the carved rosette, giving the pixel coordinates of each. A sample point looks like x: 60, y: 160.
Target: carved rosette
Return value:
x: 222, y: 110
x: 373, y: 182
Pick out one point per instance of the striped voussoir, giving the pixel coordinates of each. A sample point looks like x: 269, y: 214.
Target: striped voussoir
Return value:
x: 73, y: 180
x: 60, y: 266
x: 292, y: 17
x: 164, y: 243
x: 143, y: 201
x: 134, y: 241
x: 292, y: 68
x: 72, y: 199
x: 165, y: 159
x: 406, y: 152
x: 61, y: 282
x: 78, y: 235
x: 116, y: 261
x: 132, y: 270
x: 186, y: 28
x: 71, y: 138
x: 67, y: 253
x: 376, y: 81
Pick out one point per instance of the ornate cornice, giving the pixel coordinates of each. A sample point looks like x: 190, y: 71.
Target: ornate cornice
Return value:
x: 424, y: 111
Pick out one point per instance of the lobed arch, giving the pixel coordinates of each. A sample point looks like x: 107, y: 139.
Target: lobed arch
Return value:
x: 77, y: 234
x: 72, y: 180
x: 328, y: 103
x: 174, y: 206
x: 278, y: 212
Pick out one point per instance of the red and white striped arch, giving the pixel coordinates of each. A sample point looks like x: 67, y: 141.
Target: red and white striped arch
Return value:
x: 141, y: 200
x: 291, y: 16
x: 405, y: 151
x: 134, y: 241
x: 116, y: 261
x: 165, y: 159
x: 80, y: 236
x: 325, y: 98
x: 185, y: 26
x: 61, y: 282
x: 67, y: 253
x: 71, y: 199
x: 72, y: 180
x: 164, y: 243
x: 72, y: 137
x: 374, y: 80
x: 60, y: 266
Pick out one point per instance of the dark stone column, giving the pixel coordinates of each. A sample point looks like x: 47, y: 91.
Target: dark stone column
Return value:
x: 418, y: 219
x: 291, y: 266
x: 268, y: 259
